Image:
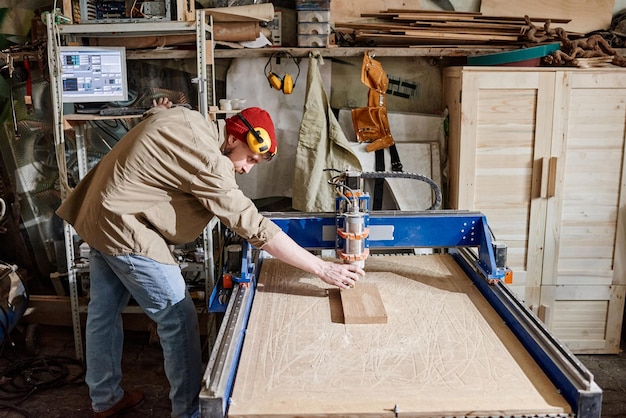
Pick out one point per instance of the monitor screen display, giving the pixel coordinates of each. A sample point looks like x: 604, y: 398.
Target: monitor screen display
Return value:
x: 93, y: 74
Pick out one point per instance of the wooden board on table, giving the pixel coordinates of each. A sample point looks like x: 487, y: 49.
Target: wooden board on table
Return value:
x: 443, y: 351
x: 586, y: 16
x: 362, y: 304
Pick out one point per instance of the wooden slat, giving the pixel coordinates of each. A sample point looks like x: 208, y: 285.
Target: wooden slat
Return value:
x: 456, y: 35
x: 381, y: 26
x: 468, y: 30
x: 439, y: 12
x: 362, y: 304
x: 476, y: 24
x: 433, y: 26
x: 388, y: 39
x: 433, y: 17
x: 522, y: 18
x: 57, y: 311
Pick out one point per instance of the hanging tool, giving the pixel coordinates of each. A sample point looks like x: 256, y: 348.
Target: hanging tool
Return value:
x: 28, y: 99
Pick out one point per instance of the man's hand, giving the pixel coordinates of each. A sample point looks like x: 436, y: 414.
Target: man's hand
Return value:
x: 285, y: 249
x: 162, y: 102
x: 343, y: 276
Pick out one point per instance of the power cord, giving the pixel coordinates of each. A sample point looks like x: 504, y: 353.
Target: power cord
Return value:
x: 23, y: 378
x: 7, y: 405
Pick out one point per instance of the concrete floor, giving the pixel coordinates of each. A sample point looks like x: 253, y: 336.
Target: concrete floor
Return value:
x: 144, y: 369
x: 610, y: 374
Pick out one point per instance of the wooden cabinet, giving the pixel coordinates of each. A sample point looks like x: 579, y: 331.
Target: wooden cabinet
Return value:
x: 540, y: 151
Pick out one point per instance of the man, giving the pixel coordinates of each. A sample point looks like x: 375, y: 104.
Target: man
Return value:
x: 159, y: 186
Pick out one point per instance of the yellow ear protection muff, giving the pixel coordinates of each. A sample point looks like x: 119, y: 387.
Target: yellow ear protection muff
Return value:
x: 258, y: 139
x: 285, y: 83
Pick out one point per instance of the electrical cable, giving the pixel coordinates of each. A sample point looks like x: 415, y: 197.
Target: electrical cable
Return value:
x: 99, y: 124
x: 398, y: 174
x: 55, y: 45
x: 23, y: 378
x: 340, y: 187
x: 7, y: 405
x: 11, y: 70
x: 132, y: 8
x: 109, y: 123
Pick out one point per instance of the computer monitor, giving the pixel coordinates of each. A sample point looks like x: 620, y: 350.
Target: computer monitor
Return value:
x: 93, y: 74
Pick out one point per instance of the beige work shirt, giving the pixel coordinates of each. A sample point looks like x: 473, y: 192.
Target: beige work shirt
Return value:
x: 160, y: 185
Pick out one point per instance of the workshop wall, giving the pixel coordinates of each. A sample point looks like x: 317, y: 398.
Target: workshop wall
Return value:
x: 418, y: 79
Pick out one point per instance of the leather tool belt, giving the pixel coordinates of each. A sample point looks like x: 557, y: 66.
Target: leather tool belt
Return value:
x: 371, y: 124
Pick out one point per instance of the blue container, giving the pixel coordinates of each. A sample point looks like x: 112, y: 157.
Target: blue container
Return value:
x: 13, y: 300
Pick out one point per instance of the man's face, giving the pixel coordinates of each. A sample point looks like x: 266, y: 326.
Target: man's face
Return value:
x: 241, y: 155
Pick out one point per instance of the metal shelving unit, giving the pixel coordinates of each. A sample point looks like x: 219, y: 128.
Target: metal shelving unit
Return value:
x: 57, y: 33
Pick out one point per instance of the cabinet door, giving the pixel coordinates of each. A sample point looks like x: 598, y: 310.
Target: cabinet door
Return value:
x: 582, y: 284
x: 499, y: 149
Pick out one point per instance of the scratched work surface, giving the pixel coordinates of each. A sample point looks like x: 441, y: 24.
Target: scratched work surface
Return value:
x: 443, y: 351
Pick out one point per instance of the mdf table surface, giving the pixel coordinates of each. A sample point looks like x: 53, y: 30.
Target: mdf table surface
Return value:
x: 442, y: 351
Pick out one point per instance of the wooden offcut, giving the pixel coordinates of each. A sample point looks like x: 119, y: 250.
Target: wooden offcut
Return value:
x: 362, y: 304
x: 185, y: 10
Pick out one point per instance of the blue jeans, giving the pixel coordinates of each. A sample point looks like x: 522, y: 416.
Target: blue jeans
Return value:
x: 161, y: 292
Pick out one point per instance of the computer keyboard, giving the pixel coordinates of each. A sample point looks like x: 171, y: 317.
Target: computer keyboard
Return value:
x: 121, y: 111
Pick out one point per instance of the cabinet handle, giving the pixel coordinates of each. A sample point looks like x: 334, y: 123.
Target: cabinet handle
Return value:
x: 543, y: 187
x: 548, y: 177
x: 552, y: 177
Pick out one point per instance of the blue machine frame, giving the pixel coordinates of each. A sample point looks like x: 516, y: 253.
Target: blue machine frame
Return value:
x: 402, y: 230
x: 457, y: 231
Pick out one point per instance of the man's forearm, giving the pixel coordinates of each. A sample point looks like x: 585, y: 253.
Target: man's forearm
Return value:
x: 286, y: 249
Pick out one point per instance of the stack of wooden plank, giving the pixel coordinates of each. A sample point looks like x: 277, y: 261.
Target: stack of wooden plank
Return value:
x: 400, y: 27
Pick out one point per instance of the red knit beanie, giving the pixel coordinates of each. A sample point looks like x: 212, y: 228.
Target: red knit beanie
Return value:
x: 258, y: 118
